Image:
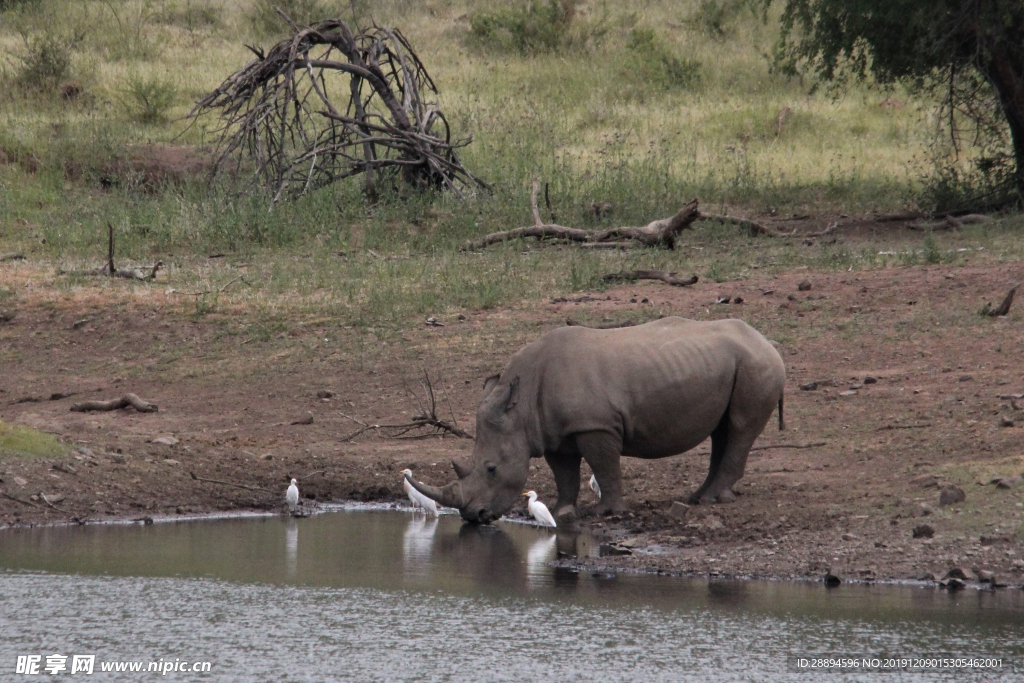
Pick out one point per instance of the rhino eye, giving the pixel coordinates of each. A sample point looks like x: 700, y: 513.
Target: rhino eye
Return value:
x: 492, y: 469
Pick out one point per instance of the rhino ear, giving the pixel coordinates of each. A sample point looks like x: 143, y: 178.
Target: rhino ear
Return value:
x: 513, y: 395
x: 489, y: 383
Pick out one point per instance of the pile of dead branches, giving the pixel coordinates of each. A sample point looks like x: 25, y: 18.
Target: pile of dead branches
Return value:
x: 278, y: 122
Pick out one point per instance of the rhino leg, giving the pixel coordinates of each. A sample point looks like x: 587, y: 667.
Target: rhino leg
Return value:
x: 719, y: 438
x: 565, y: 465
x: 602, y: 451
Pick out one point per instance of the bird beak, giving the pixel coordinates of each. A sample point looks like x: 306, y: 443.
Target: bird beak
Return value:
x: 526, y: 493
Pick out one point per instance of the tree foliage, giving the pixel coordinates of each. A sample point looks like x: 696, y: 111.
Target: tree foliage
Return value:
x: 968, y: 52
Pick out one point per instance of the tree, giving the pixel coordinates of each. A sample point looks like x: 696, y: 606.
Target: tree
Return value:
x: 969, y: 52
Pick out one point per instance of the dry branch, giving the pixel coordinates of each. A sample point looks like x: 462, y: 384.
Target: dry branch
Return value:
x: 13, y: 256
x: 19, y: 500
x: 1003, y: 308
x: 116, y: 404
x: 659, y: 233
x: 228, y: 483
x: 277, y: 117
x: 667, y: 278
x: 427, y: 418
x: 108, y: 269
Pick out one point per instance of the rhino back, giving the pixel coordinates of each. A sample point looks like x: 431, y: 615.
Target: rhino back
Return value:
x: 661, y: 387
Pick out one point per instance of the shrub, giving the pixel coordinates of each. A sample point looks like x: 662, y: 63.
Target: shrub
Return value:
x: 652, y: 62
x: 148, y: 99
x: 46, y: 60
x: 551, y: 26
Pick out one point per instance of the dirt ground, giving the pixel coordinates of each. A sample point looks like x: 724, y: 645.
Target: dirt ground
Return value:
x: 940, y: 411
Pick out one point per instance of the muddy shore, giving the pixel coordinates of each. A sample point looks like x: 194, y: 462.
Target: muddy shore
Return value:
x: 906, y: 393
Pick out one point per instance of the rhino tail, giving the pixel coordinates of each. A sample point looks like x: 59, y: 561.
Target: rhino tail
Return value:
x: 782, y: 419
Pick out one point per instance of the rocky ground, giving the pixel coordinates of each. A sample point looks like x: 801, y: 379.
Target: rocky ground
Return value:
x: 902, y: 457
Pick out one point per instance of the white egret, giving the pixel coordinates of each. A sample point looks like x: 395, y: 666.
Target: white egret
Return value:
x: 292, y: 497
x: 539, y: 510
x: 594, y: 486
x: 417, y: 498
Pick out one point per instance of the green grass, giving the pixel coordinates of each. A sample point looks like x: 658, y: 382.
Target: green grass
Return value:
x: 642, y: 105
x: 22, y: 442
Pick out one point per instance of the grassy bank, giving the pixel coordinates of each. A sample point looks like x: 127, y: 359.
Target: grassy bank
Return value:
x: 642, y: 105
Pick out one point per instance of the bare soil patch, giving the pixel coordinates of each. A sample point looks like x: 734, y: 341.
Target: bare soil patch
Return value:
x: 909, y: 395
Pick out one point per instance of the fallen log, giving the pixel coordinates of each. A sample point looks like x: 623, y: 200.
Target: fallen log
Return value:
x: 659, y: 233
x: 1003, y: 308
x: 667, y: 278
x: 116, y: 404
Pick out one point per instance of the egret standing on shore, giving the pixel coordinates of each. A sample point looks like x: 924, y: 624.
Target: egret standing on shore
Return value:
x: 539, y: 510
x: 417, y: 498
x: 594, y: 486
x: 292, y: 496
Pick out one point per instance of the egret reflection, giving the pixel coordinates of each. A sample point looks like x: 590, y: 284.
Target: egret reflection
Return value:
x: 417, y: 544
x: 291, y: 546
x: 541, y: 551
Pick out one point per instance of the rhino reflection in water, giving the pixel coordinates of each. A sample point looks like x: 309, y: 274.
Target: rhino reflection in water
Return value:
x: 648, y: 391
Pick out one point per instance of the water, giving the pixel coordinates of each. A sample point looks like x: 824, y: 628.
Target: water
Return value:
x: 386, y: 596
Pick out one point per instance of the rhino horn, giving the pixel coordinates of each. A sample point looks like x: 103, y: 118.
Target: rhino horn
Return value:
x: 448, y: 496
x: 460, y: 469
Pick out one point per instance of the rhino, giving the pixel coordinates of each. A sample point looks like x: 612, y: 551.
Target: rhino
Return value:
x: 649, y: 391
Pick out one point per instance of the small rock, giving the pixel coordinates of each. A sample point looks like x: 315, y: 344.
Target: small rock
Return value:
x: 804, y: 286
x: 953, y: 585
x: 738, y: 300
x: 166, y: 440
x: 324, y: 393
x: 1007, y: 482
x: 308, y: 420
x: 84, y: 451
x: 854, y: 387
x: 433, y: 322
x: 985, y: 576
x: 712, y: 523
x: 20, y: 482
x: 678, y: 510
x: 965, y: 378
x: 927, y: 576
x: 810, y: 386
x: 831, y: 580
x: 54, y: 499
x: 119, y: 459
x: 848, y: 393
x: 923, y: 531
x: 957, y: 573
x: 951, y: 495
x: 923, y: 510
x: 1005, y: 421
x: 723, y: 300
x: 851, y: 537
x: 870, y: 380
x: 171, y: 461
x: 266, y: 456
